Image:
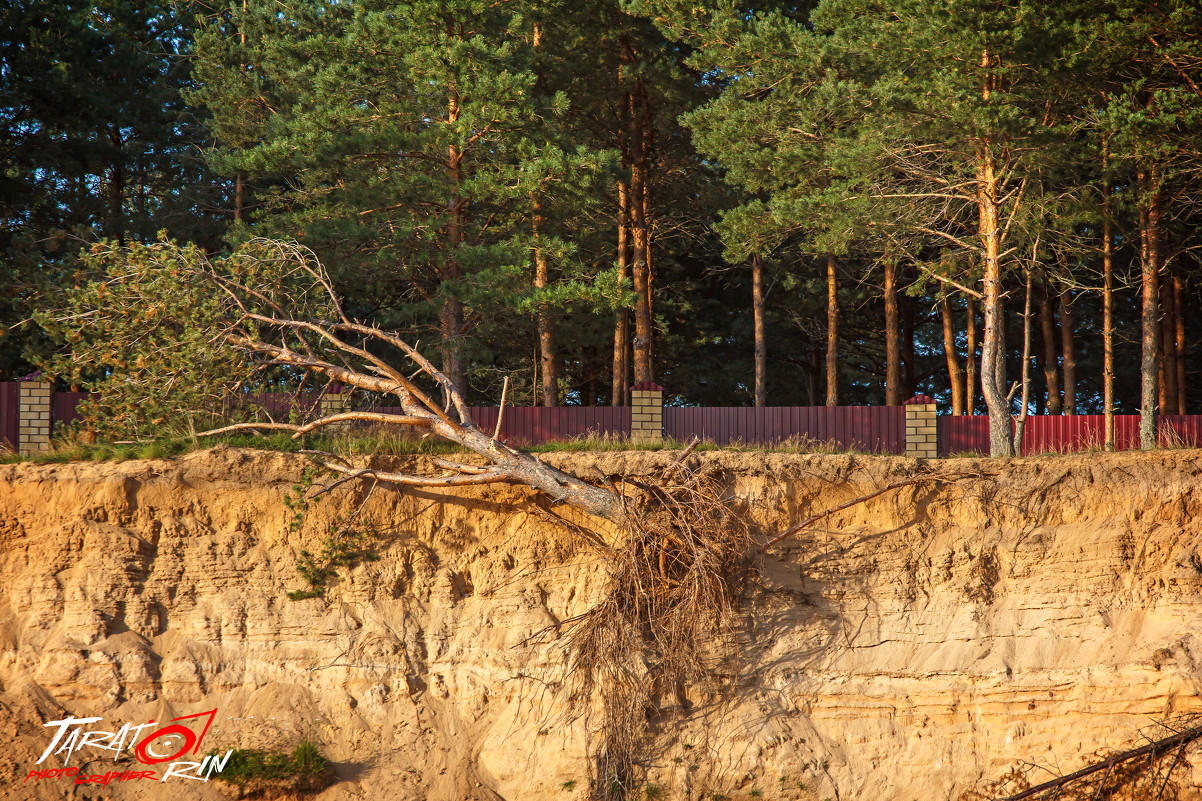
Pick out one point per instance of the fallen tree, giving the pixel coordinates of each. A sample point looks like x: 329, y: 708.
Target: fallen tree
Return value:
x: 678, y: 566
x: 163, y: 320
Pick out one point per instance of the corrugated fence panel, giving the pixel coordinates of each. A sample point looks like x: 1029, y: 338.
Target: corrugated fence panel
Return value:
x: 1181, y: 430
x: 10, y: 416
x: 1074, y: 433
x: 873, y: 428
x: 963, y: 434
x: 1126, y: 432
x: 64, y: 405
x: 1066, y: 433
x: 1054, y: 433
x: 531, y: 425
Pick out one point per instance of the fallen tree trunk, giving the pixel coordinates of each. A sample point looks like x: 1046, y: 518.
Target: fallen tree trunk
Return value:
x: 281, y: 339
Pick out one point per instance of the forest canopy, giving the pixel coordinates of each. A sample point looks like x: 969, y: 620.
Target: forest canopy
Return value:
x: 848, y: 202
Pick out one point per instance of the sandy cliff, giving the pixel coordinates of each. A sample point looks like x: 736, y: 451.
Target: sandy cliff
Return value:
x: 902, y: 650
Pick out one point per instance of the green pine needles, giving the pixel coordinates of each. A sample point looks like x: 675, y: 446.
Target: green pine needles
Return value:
x: 343, y: 547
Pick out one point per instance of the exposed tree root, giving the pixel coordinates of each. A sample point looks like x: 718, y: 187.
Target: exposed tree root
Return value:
x: 666, y: 624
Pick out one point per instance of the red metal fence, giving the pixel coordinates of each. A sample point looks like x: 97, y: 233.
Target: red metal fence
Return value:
x: 10, y: 416
x: 281, y: 405
x: 64, y: 405
x: 1053, y: 433
x: 532, y: 425
x: 873, y: 428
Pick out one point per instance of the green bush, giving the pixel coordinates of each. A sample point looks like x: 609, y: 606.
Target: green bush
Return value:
x: 252, y: 764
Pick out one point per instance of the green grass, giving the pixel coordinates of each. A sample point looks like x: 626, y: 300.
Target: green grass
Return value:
x: 379, y: 440
x: 251, y: 764
x: 170, y: 447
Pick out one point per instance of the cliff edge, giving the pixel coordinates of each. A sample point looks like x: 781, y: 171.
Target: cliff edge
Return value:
x: 904, y: 648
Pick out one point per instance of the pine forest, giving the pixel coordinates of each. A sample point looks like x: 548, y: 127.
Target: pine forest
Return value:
x: 846, y: 202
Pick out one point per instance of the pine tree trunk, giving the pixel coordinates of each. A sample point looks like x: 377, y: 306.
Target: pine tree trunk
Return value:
x: 970, y: 358
x: 1041, y: 397
x: 451, y: 315
x: 621, y: 359
x: 906, y: 304
x: 1149, y: 230
x: 641, y: 265
x: 1047, y: 323
x: 1107, y: 327
x: 954, y: 372
x: 892, y: 337
x: 546, y: 326
x: 1168, y: 347
x: 832, y: 333
x: 1000, y: 365
x: 1178, y: 304
x: 1069, y: 351
x: 993, y: 352
x: 761, y: 348
x: 621, y: 354
x: 1024, y: 405
x: 649, y: 222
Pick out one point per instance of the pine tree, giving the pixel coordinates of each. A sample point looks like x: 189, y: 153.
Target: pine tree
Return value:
x: 95, y: 140
x: 408, y: 144
x: 916, y: 125
x: 1147, y: 74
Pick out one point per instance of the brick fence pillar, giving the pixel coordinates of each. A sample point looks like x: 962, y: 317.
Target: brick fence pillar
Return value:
x: 646, y: 412
x: 336, y: 400
x: 34, y: 429
x: 922, y: 441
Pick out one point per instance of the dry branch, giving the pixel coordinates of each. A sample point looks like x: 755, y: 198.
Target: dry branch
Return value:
x: 1178, y: 740
x: 341, y: 417
x: 340, y: 349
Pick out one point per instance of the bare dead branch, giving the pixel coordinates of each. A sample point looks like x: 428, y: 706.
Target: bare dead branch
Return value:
x: 462, y: 468
x: 407, y: 480
x: 247, y: 427
x: 501, y: 411
x: 1163, y: 745
x: 342, y: 417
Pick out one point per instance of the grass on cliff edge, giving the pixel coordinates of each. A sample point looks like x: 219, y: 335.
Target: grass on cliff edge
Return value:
x: 378, y: 442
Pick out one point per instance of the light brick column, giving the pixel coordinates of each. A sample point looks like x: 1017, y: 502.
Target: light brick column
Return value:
x: 922, y: 441
x: 34, y: 429
x: 646, y: 413
x: 336, y: 400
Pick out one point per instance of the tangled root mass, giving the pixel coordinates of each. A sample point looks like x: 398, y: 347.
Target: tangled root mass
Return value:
x: 666, y: 625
